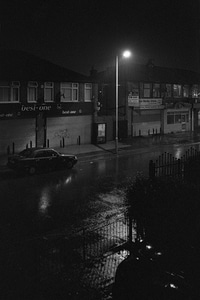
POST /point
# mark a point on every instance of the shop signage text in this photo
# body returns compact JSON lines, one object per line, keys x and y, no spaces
{"x":150,"y":103}
{"x":36,"y":107}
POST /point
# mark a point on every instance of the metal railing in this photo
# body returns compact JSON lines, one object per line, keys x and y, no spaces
{"x":168,"y":166}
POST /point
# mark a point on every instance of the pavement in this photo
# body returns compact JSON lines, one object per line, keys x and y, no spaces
{"x":86,"y":152}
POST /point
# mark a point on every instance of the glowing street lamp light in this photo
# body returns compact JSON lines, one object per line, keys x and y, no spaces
{"x":125,"y":54}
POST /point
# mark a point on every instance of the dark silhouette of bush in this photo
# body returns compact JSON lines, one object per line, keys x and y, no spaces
{"x":166,"y":209}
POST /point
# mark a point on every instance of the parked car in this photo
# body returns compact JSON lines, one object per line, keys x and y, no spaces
{"x":154,"y":273}
{"x":34,"y":160}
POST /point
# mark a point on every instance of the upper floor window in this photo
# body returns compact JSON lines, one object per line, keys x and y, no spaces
{"x":147,"y":90}
{"x":186,"y":91}
{"x":69,"y":91}
{"x":156,"y":90}
{"x":88,"y":91}
{"x":195,"y":91}
{"x":9,"y":92}
{"x":168,"y":93}
{"x":48,"y":91}
{"x":32,"y":91}
{"x":177,"y":90}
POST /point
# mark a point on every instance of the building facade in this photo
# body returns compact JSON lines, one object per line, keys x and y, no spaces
{"x":42,"y":104}
{"x":152,"y":100}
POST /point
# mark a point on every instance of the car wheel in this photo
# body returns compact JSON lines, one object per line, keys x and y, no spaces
{"x":69,"y":164}
{"x":32,"y":170}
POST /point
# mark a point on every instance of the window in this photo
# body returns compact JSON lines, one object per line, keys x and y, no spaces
{"x":177,"y":90}
{"x":48,"y":91}
{"x":195,"y":91}
{"x":15,"y":91}
{"x":168,"y":91}
{"x":32,"y":91}
{"x":147,"y":90}
{"x":9,"y":92}
{"x":88,"y":91}
{"x":69,"y":91}
{"x":186,"y":91}
{"x":170,"y":118}
{"x":156,"y":90}
{"x":4,"y":91}
{"x":177,"y":117}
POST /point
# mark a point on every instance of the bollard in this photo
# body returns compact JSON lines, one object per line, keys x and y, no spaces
{"x":13,"y":148}
{"x":30,"y":144}
{"x":8,"y":150}
{"x":63,"y":141}
{"x":48,"y":143}
{"x":79,"y":140}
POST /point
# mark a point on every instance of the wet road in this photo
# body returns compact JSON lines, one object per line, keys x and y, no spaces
{"x":85,"y":195}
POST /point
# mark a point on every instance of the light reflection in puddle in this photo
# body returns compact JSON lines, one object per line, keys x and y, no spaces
{"x":44,"y":200}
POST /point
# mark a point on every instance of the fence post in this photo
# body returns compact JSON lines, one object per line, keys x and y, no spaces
{"x":152,"y":169}
{"x":130,"y":231}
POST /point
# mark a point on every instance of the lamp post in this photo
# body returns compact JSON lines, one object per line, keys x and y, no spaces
{"x":125,"y":54}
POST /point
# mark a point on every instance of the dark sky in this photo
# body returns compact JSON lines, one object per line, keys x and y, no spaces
{"x":79,"y":34}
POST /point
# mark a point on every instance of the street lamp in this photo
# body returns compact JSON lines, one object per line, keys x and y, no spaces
{"x":125,"y":54}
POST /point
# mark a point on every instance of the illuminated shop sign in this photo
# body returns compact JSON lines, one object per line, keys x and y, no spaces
{"x":150,"y":103}
{"x":50,"y":110}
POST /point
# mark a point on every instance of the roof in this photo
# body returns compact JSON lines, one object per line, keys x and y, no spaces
{"x":19,"y":65}
{"x":150,"y":73}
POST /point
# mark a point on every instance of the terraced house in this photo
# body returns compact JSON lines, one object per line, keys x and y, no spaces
{"x":152,"y":100}
{"x":42,"y":103}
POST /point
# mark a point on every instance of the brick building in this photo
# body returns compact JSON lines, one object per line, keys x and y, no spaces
{"x":42,"y":103}
{"x":152,"y":100}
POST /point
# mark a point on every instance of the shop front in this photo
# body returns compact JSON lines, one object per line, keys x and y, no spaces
{"x":144,"y":116}
{"x":176,"y":120}
{"x":23,"y":125}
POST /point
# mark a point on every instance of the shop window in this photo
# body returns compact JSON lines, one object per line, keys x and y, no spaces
{"x":32,"y":91}
{"x":88,"y":91}
{"x":156,"y":90}
{"x":69,"y":91}
{"x":9,"y":92}
{"x":179,"y":117}
{"x":48,"y":91}
{"x":147,"y":90}
{"x":168,"y":91}
{"x":186,"y":91}
{"x":177,"y":91}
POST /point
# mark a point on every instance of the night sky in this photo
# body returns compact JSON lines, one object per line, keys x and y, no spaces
{"x":81,"y":34}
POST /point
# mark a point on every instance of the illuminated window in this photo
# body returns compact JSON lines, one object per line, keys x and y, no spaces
{"x":186,"y":91}
{"x":195,"y":91}
{"x":147,"y":90}
{"x":69,"y":91}
{"x":48,"y":91}
{"x":168,"y":91}
{"x":156,"y":90}
{"x":32,"y":91}
{"x":177,"y":90}
{"x":88,"y":91}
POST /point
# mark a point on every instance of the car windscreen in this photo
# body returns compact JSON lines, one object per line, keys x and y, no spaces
{"x":26,"y":153}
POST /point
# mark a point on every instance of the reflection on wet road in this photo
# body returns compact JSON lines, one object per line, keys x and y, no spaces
{"x":86,"y":194}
